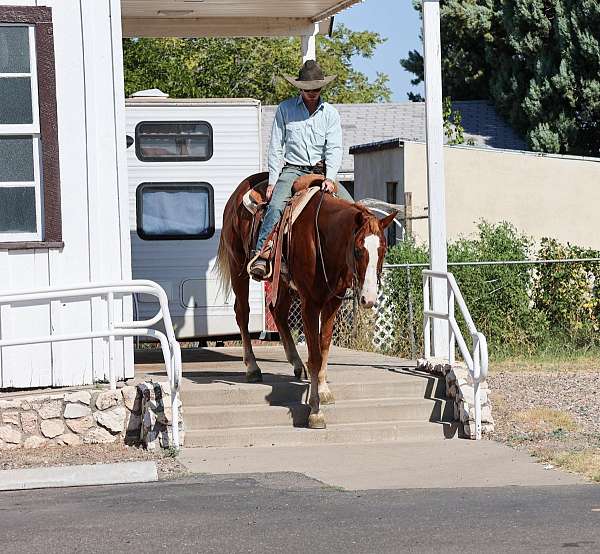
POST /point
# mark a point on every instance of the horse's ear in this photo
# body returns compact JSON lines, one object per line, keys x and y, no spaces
{"x":388,"y":219}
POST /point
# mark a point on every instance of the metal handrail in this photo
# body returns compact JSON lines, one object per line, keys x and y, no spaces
{"x":169,"y":345}
{"x":477,"y":358}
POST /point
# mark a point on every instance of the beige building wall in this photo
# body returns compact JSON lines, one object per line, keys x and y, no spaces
{"x":542,"y":195}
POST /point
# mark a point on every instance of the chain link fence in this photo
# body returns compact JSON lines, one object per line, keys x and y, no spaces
{"x":371,"y":330}
{"x":522,"y":306}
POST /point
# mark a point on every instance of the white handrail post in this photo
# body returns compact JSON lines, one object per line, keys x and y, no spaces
{"x":452,"y":342}
{"x":110,"y":297}
{"x":476,"y":382}
{"x":426,"y":318}
{"x":435,"y":168}
{"x":175,"y":402}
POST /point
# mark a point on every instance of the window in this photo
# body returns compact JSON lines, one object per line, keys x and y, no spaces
{"x":175,"y":211}
{"x":170,"y":141}
{"x":349,"y":186}
{"x":391,"y":198}
{"x":29,"y":174}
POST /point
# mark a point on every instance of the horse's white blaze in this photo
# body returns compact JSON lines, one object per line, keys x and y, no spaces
{"x":368,"y":295}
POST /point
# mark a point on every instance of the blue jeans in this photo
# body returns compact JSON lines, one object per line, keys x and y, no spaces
{"x":282,"y":192}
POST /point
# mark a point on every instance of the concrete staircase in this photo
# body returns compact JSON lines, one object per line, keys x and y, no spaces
{"x":378,"y":399}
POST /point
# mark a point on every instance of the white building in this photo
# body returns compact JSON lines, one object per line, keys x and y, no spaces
{"x":63,"y":177}
{"x":63,"y":186}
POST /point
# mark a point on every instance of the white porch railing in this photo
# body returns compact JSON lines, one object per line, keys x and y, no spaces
{"x":477,"y":358}
{"x":169,"y":345}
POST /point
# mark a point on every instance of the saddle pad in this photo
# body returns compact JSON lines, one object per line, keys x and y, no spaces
{"x":300,"y":203}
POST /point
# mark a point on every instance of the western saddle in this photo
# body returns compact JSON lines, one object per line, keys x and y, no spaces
{"x":255,"y":201}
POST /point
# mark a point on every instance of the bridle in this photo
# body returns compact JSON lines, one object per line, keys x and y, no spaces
{"x":356,"y":254}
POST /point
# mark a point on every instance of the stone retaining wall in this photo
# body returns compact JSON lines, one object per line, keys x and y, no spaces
{"x":87,"y":416}
{"x":459,"y":389}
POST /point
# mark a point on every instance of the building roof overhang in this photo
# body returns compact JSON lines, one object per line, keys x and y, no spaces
{"x":228,"y":18}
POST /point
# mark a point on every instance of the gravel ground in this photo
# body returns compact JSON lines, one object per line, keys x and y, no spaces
{"x":576,"y":393}
{"x":168,"y":466}
{"x":553,"y":415}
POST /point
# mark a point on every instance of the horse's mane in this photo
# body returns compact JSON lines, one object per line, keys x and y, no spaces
{"x":370,"y":221}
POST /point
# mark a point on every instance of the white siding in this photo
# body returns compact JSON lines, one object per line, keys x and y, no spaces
{"x":89,"y":101}
{"x":236,"y":147}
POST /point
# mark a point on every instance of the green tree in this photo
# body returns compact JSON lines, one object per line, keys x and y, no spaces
{"x":466,"y":30}
{"x":537,"y":60}
{"x":250,"y":67}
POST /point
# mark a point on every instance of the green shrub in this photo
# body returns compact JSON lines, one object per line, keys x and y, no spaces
{"x":569,"y":294}
{"x":520,"y":308}
{"x":499,"y":296}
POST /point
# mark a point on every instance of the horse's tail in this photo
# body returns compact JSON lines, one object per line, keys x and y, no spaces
{"x":222,"y":268}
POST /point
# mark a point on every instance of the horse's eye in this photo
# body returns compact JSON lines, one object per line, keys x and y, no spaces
{"x":358,"y":253}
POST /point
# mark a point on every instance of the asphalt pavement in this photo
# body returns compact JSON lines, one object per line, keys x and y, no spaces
{"x":289,"y":512}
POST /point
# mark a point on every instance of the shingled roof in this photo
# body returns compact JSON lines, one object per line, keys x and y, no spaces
{"x":367,"y":123}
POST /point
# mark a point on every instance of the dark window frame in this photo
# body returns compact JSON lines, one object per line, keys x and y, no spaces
{"x":174,"y":159}
{"x":139,"y":204}
{"x":391,"y":190}
{"x":41,"y":19}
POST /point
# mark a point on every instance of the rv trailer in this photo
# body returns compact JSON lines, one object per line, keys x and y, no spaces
{"x":184,"y":158}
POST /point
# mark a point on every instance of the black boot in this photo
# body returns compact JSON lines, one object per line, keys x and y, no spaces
{"x":258,"y":269}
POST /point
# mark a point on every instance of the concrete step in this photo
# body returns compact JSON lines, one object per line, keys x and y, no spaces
{"x":285,"y":392}
{"x":296,"y":414}
{"x":352,"y":433}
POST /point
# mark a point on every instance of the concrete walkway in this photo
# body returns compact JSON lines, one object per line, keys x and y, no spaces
{"x":407,"y":463}
{"x":436,"y":464}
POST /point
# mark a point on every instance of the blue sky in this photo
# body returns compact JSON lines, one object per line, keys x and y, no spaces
{"x":395,"y":20}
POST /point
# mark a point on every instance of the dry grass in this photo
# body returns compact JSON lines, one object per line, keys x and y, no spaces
{"x":554,"y":415}
{"x":545,"y":420}
{"x":585,"y":462}
{"x":541,"y":365}
{"x":355,"y":332}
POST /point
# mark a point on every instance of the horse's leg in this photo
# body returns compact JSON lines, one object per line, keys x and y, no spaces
{"x":310,"y":318}
{"x":240,"y":285}
{"x":327,"y":320}
{"x":280,"y":314}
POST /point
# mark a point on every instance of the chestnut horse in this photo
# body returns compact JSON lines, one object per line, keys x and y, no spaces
{"x":353,"y":246}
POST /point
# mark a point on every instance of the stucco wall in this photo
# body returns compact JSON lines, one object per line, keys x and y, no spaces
{"x":543,"y":196}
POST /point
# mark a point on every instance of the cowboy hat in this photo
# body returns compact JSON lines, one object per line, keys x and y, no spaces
{"x":310,"y":77}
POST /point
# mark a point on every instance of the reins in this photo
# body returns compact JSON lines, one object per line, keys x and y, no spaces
{"x":320,"y":253}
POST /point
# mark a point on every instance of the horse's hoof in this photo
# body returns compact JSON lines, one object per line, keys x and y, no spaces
{"x":254,"y":377}
{"x":326,"y":398}
{"x":316,"y":421}
{"x":300,"y":373}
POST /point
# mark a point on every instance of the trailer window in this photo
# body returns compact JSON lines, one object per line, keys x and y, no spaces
{"x":175,"y":211}
{"x":169,"y":141}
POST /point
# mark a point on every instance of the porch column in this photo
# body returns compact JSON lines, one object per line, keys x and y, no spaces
{"x":309,"y":51}
{"x":435,"y":170}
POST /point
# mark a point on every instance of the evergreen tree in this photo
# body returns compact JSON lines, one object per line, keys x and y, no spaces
{"x":537,"y":60}
{"x":250,"y":67}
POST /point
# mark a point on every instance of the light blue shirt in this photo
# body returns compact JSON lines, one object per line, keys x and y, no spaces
{"x":299,"y":138}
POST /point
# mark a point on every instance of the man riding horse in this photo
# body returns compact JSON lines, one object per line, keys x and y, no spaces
{"x":306,"y":138}
{"x":332,"y":245}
